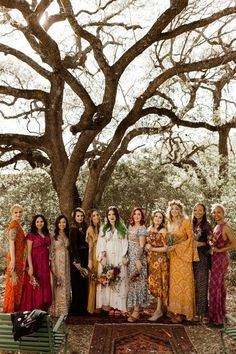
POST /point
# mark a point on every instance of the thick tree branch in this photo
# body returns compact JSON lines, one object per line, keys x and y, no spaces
{"x":197,"y":24}
{"x":95,"y":43}
{"x":151,"y":37}
{"x":24,"y":58}
{"x":27,"y":94}
{"x":34,"y":158}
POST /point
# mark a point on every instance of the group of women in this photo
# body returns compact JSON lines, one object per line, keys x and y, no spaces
{"x":110,"y":267}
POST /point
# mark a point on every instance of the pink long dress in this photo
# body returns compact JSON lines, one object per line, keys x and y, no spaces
{"x":217,"y":289}
{"x":40,"y":297}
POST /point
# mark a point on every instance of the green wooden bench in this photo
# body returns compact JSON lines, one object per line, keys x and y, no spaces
{"x":47,"y":339}
{"x":229,"y":330}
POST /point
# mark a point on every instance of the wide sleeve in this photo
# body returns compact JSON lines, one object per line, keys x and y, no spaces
{"x":101,"y":245}
{"x":74,"y":245}
{"x":12,"y":230}
{"x":184,"y":249}
{"x":89,"y":235}
{"x":30,"y":237}
{"x":142,"y":231}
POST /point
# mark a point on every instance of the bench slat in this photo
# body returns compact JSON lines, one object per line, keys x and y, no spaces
{"x":37,"y":342}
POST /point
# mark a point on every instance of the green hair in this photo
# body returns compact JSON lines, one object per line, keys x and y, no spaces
{"x":120,"y":227}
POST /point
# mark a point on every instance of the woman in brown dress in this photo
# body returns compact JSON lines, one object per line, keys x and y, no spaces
{"x":157,"y":262}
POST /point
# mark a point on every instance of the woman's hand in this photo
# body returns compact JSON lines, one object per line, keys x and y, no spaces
{"x":170,"y":248}
{"x":12,"y":265}
{"x":125,"y":260}
{"x":215,"y":250}
{"x":30,"y":271}
{"x":139,"y":265}
{"x":104,"y":262}
{"x":77,"y":265}
{"x":148,"y":247}
{"x":90,"y":264}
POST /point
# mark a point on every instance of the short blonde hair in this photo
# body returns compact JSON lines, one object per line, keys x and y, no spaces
{"x":16,"y":206}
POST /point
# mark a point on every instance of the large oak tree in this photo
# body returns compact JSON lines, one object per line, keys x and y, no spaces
{"x":88,"y":77}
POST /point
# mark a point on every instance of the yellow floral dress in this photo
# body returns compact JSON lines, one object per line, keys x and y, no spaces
{"x":158,"y":275}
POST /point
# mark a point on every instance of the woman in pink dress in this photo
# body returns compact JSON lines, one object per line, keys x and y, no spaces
{"x":223,"y":241}
{"x":37,"y":291}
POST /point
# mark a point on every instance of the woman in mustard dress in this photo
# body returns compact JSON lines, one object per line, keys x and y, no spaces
{"x":182,"y":289}
{"x":15,"y":262}
{"x":157,"y":262}
{"x":91,"y":238}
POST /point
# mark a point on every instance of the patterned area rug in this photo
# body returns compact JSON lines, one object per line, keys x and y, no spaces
{"x":140,"y":338}
{"x":104,"y":318}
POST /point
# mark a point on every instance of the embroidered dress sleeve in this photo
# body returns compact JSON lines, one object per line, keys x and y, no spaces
{"x":101,"y":246}
{"x":184,"y":249}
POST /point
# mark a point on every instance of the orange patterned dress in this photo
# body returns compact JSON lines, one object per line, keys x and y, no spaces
{"x":158,"y":276}
{"x":13,"y":292}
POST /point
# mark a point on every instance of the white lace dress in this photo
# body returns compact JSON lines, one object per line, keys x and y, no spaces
{"x":115,"y":247}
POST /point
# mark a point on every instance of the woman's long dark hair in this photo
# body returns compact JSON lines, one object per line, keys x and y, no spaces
{"x":204,"y":218}
{"x":56,"y":230}
{"x":33,"y":227}
{"x":154,"y":212}
{"x":75,"y":224}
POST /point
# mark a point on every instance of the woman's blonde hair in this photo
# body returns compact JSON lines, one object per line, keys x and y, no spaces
{"x":217,"y":205}
{"x":180,"y":205}
{"x":16,"y":206}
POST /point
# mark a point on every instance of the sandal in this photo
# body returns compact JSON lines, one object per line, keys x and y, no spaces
{"x":204,"y":320}
{"x":111,"y":313}
{"x":133,"y":318}
{"x":177,"y":319}
{"x":117,"y":313}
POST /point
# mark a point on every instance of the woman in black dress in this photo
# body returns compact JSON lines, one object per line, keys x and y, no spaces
{"x":201,"y":230}
{"x":79,"y":260}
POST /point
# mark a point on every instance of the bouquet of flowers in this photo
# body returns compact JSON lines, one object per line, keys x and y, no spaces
{"x":212,"y":239}
{"x":13,"y":278}
{"x":171,"y":239}
{"x":34,"y":282}
{"x":110,"y":276}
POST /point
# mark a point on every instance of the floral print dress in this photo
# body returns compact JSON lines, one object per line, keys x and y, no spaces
{"x":158,"y":275}
{"x":13,"y":292}
{"x":61,"y":270}
{"x":138,"y":292}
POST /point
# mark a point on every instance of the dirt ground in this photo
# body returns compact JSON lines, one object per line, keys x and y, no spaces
{"x":205,"y":340}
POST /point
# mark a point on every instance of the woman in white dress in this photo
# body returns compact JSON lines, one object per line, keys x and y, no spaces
{"x":112,"y":247}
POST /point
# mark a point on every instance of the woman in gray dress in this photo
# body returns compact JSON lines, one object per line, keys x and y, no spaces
{"x":137,"y":267}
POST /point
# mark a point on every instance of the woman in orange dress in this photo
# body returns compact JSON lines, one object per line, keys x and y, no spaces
{"x":181,"y":285}
{"x":15,"y":261}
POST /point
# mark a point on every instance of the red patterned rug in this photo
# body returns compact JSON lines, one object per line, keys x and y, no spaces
{"x":140,"y":338}
{"x":104,"y":318}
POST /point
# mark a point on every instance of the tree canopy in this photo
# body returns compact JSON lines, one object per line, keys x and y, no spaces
{"x":83,"y":79}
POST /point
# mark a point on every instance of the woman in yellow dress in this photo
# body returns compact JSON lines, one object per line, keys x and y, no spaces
{"x":181,"y":284}
{"x":157,"y":262}
{"x":91,"y":238}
